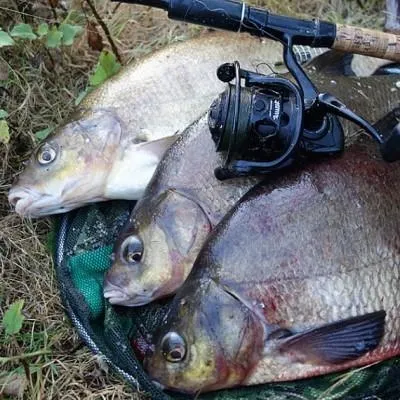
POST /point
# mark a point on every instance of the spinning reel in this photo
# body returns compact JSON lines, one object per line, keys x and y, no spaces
{"x":263,"y":126}
{"x":269,"y":122}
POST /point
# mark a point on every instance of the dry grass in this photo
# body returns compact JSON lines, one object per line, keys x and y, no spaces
{"x":39,"y":92}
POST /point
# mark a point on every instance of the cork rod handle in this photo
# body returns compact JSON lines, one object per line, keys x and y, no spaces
{"x":367,"y":42}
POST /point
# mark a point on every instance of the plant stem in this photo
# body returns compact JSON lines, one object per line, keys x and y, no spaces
{"x":4,"y":360}
{"x":105,"y":29}
{"x":53,"y":10}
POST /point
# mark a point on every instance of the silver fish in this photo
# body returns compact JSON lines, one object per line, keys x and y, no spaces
{"x":110,"y":147}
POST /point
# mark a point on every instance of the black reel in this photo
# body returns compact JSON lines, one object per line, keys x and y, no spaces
{"x":270,"y":122}
{"x":264,"y":120}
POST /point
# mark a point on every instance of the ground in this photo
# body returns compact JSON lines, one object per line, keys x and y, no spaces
{"x":38,"y":88}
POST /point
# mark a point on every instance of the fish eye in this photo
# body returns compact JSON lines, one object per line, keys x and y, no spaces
{"x":132,"y":250}
{"x":46,"y":154}
{"x":173,"y":347}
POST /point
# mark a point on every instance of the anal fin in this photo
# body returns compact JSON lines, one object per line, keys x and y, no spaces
{"x":337,"y":342}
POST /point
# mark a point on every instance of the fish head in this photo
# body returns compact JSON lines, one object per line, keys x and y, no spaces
{"x":207,"y":341}
{"x":157,"y":248}
{"x":69,"y":168}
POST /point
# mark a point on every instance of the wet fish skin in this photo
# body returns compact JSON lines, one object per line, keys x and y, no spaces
{"x":181,"y":205}
{"x":155,"y":98}
{"x":309,"y":249}
{"x":87,"y":153}
{"x":166,"y":221}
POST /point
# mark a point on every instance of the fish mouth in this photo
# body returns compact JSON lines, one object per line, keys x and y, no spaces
{"x":29,"y":203}
{"x":158,"y":384}
{"x":118,"y":296}
{"x":21,"y":200}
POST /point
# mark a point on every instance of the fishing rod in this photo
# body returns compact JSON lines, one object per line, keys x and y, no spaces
{"x":264,"y":123}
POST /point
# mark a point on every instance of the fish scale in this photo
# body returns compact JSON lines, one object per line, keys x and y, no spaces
{"x":348,"y":289}
{"x":194,"y":151}
{"x":301,"y":224}
{"x":310,"y":248}
{"x":329,"y":291}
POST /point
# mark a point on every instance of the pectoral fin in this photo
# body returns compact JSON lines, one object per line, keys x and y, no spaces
{"x":337,"y":342}
{"x":158,"y":147}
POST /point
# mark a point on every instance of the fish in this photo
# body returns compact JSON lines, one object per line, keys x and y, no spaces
{"x":184,"y":201}
{"x":301,"y":278}
{"x":111,"y":144}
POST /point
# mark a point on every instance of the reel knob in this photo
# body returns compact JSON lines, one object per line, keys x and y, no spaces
{"x":226,"y":72}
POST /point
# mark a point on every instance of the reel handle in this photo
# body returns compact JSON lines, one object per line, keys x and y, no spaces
{"x":367,"y":42}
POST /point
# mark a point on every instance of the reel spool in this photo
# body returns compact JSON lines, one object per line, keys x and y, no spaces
{"x":262,"y":126}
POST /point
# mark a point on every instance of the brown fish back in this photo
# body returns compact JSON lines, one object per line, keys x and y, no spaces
{"x":188,"y":167}
{"x":314,"y":247}
{"x":370,"y":97}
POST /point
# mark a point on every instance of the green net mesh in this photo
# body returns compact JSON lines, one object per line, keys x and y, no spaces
{"x":84,"y":244}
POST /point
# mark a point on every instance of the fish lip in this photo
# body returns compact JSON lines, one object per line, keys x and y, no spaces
{"x":22,"y":198}
{"x":30,"y":203}
{"x":158,"y":384}
{"x":117,"y":295}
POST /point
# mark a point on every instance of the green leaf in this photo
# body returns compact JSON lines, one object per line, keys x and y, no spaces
{"x":54,"y":37}
{"x":42,"y":29}
{"x":109,"y":62}
{"x":23,"y":31}
{"x":105,"y":68}
{"x":41,"y":135}
{"x":83,"y":94}
{"x":5,"y":39}
{"x":99,"y":76}
{"x":69,"y":33}
{"x":3,"y":114}
{"x":13,"y":318}
{"x":4,"y":132}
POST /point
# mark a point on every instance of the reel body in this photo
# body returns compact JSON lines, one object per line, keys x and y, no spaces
{"x":262,"y":126}
{"x":269,"y":122}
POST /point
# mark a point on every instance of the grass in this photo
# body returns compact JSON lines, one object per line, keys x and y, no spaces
{"x":38,"y":87}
